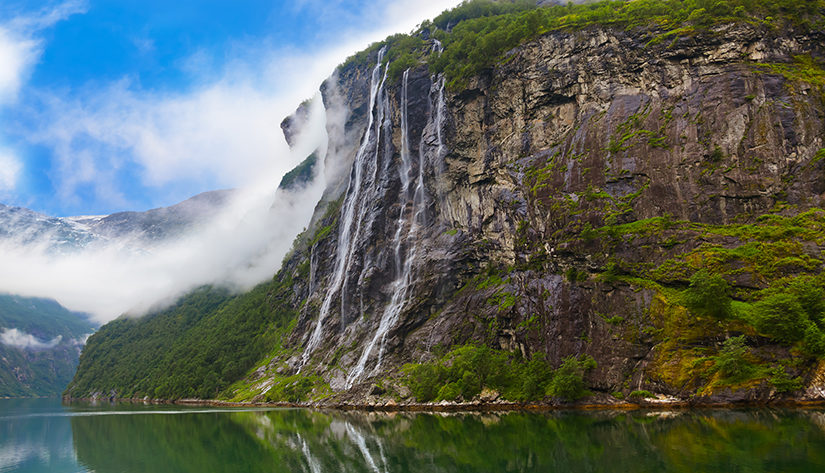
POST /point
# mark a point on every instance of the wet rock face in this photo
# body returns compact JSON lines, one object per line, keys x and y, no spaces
{"x":576,"y":129}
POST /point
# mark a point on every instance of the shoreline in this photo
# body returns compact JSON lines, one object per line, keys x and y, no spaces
{"x":677,"y":404}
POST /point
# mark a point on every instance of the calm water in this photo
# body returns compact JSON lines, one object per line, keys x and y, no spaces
{"x":44,"y":436}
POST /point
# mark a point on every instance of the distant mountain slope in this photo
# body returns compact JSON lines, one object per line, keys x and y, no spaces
{"x":156,"y":224}
{"x":40,"y":342}
{"x":23,"y":227}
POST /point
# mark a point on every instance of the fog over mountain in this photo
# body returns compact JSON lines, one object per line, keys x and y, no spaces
{"x":131,"y":262}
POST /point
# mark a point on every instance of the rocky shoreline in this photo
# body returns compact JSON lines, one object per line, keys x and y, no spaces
{"x":598,"y":402}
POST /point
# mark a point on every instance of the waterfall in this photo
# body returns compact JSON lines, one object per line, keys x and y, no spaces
{"x":352,"y":210}
{"x":441,"y":149}
{"x":406,"y":220}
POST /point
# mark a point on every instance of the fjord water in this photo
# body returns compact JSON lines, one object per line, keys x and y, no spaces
{"x":45,"y":436}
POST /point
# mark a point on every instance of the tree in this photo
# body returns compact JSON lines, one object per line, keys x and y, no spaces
{"x":708,"y":295}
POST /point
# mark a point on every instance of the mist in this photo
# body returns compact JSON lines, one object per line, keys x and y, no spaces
{"x":243,"y":244}
{"x":19,"y":339}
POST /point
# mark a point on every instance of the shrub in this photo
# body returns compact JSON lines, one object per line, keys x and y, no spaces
{"x":731,"y":362}
{"x":466,"y":370}
{"x":813,"y":343}
{"x":424,"y":380}
{"x":640,"y":394}
{"x":708,"y":295}
{"x":294,"y":388}
{"x":782,"y":381}
{"x":811,"y":297}
{"x":568,"y":380}
{"x":535,"y":377}
{"x":782,"y":317}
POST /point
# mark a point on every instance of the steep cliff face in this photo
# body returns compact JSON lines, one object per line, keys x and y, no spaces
{"x":497,"y":214}
{"x":578,"y":198}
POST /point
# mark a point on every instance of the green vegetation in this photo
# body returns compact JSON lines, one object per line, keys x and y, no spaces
{"x":43,"y":372}
{"x":296,"y":388}
{"x":708,"y":295}
{"x":783,"y":298}
{"x":804,"y":68}
{"x":463,"y":372}
{"x":730,"y":362}
{"x":301,"y":175}
{"x":478,"y":34}
{"x":194,"y":349}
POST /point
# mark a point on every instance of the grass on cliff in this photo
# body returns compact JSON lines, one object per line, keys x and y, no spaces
{"x":478,"y":34}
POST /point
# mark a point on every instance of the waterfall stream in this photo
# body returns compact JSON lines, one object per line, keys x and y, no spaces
{"x":352,"y":209}
{"x":410,"y":220}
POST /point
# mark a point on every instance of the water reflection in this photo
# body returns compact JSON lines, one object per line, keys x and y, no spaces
{"x":32,"y":440}
{"x":161,"y":439}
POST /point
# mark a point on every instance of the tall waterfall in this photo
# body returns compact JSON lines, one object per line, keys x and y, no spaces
{"x":411,"y":217}
{"x":353,"y":207}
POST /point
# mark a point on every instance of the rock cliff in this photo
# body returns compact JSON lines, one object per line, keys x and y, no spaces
{"x":566,"y":202}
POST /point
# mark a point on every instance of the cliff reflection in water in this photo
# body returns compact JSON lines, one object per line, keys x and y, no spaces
{"x":311,"y":441}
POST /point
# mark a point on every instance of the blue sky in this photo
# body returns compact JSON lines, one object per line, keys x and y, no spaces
{"x":130,"y":105}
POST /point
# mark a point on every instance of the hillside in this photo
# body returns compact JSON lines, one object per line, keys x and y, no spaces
{"x":40,"y":342}
{"x":616,"y":199}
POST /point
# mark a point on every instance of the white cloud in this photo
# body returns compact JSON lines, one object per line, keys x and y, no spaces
{"x":10,"y":168}
{"x":20,"y":48}
{"x":19,"y":339}
{"x":17,"y":54}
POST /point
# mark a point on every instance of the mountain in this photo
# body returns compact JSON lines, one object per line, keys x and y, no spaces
{"x":616,"y":200}
{"x":24,"y":227}
{"x":156,"y":224}
{"x":40,"y":343}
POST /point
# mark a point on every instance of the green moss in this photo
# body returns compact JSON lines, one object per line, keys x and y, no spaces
{"x":804,"y":68}
{"x":819,"y":156}
{"x":297,"y":388}
{"x":640,"y":394}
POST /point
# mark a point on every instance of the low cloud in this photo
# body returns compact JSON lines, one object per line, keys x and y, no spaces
{"x":25,"y":341}
{"x":240,"y":246}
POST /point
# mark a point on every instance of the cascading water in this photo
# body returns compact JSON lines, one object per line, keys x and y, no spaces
{"x":352,"y":209}
{"x":441,"y":148}
{"x":411,"y":221}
